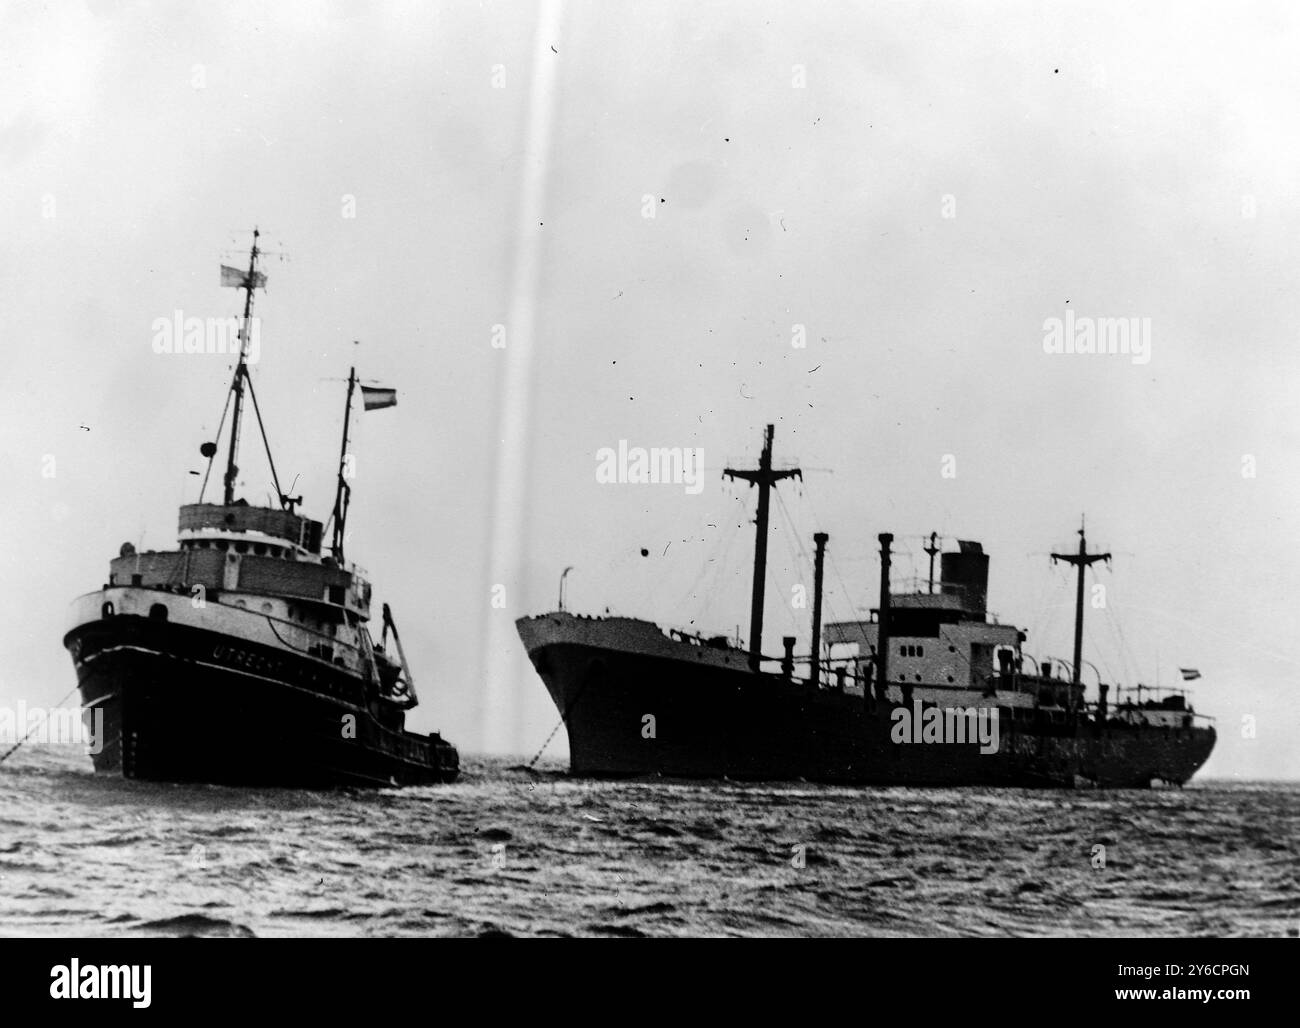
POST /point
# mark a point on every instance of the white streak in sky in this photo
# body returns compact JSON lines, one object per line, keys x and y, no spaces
{"x":506,"y":667}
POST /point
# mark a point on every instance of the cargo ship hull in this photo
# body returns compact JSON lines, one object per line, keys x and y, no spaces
{"x":182,"y":703}
{"x":928,"y":689}
{"x":631,"y":713}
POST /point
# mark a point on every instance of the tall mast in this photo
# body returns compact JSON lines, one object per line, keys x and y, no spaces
{"x":344,"y":492}
{"x":1081,"y":560}
{"x":763,"y":477}
{"x":241,"y":371}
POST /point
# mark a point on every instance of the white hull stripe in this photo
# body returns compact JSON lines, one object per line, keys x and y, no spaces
{"x":217,"y":667}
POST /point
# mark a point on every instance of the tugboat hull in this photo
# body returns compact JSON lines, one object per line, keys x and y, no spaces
{"x":185,"y":704}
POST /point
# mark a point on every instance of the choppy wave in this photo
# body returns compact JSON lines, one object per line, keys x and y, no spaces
{"x":508,"y":851}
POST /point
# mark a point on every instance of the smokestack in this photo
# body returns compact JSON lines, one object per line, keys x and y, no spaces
{"x":882,"y":633}
{"x":815,"y":667}
{"x":1104,"y":690}
{"x":966,"y":574}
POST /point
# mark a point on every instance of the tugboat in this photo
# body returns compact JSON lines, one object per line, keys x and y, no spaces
{"x":929,"y":690}
{"x":243,"y":656}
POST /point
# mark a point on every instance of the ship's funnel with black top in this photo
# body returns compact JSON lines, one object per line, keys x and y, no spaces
{"x":966,"y":574}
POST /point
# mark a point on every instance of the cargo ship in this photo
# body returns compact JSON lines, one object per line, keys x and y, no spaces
{"x":243,"y":656}
{"x":929,"y":690}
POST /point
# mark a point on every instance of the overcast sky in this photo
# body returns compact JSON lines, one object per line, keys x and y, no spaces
{"x":917,"y":188}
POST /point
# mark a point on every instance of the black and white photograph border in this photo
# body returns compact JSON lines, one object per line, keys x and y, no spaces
{"x":673,"y":470}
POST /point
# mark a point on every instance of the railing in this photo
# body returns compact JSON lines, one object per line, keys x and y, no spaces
{"x":324,"y":639}
{"x":265,"y":576}
{"x":266,"y":520}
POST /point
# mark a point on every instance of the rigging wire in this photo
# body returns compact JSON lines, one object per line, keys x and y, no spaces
{"x":1127,"y":658}
{"x":827,"y":601}
{"x":713,"y":573}
{"x":265,"y":442}
{"x":14,"y":748}
{"x":220,"y":425}
{"x":835,"y":568}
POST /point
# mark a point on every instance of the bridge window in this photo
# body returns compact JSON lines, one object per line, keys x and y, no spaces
{"x":259,"y":549}
{"x":241,"y":547}
{"x":158,"y":612}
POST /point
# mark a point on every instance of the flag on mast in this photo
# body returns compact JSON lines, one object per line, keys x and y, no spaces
{"x":239,"y":279}
{"x":374,"y":398}
{"x":1189,"y":673}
